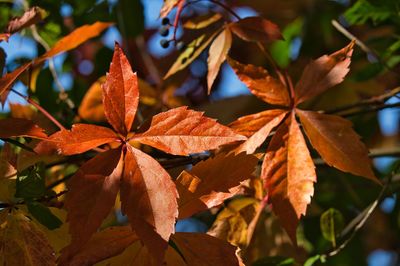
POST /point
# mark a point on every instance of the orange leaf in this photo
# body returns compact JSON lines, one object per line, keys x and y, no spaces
{"x":92,"y":193}
{"x":7,"y":81}
{"x":323,"y":73}
{"x":219,"y":49}
{"x":19,"y":127}
{"x":289,"y":174}
{"x":148,"y":197}
{"x":74,"y":39}
{"x":337,"y":143}
{"x":261,"y":83}
{"x":181,"y":131}
{"x":211,"y":182}
{"x":4,"y":36}
{"x":105,"y":244}
{"x":272,"y":118}
{"x":202,"y":249}
{"x":120,"y":93}
{"x":91,"y":108}
{"x":31,"y":16}
{"x":81,"y":138}
{"x":168,"y":6}
{"x":256,"y":29}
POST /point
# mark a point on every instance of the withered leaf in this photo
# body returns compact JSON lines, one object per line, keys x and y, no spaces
{"x":256,"y":29}
{"x":32,"y":16}
{"x":211,"y":182}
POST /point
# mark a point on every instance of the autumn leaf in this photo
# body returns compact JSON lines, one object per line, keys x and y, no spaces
{"x":218,"y":52}
{"x":256,"y":29}
{"x":19,"y":127}
{"x":4,"y":36}
{"x":8,"y":80}
{"x":323,"y":73}
{"x":202,"y":22}
{"x":120,"y":114}
{"x":104,"y":244}
{"x":261,"y":83}
{"x":22,"y":243}
{"x":168,"y":6}
{"x":337,"y":143}
{"x":91,"y":108}
{"x":204,"y":250}
{"x":148,"y":197}
{"x":289,"y":175}
{"x":94,"y":188}
{"x":211,"y":182}
{"x":32,"y":16}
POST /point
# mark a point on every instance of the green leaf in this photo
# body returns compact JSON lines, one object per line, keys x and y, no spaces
{"x":43,"y":215}
{"x":332,"y":223}
{"x":363,"y":10}
{"x":312,"y":260}
{"x":30,"y":184}
{"x":130,"y":17}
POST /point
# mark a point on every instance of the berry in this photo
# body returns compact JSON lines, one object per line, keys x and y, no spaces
{"x":180,"y":46}
{"x":165,"y":21}
{"x":164,"y":43}
{"x":164,"y":31}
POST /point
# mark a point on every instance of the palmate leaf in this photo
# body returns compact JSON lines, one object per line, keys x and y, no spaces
{"x":19,"y":127}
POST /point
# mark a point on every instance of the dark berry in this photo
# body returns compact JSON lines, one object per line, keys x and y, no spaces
{"x":164,"y":31}
{"x":165,"y":21}
{"x":164,"y":43}
{"x":180,"y":46}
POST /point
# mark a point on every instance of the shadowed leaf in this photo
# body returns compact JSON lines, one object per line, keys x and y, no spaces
{"x":256,"y":29}
{"x":19,"y":127}
{"x":30,"y":17}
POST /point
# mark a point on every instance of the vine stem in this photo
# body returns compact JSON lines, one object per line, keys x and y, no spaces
{"x":41,"y":109}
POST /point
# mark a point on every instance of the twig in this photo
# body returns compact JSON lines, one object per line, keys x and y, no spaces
{"x":41,"y":109}
{"x":18,"y":144}
{"x":42,"y":199}
{"x":372,"y":109}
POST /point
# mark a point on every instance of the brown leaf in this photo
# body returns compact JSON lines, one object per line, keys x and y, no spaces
{"x":92,"y":193}
{"x":337,"y":143}
{"x":323,"y":73}
{"x":148,"y":197}
{"x":256,"y":29}
{"x":218,"y":52}
{"x":103,"y":245}
{"x":22,"y":243}
{"x":193,"y":50}
{"x":201,"y":22}
{"x":181,"y":131}
{"x":205,"y":250}
{"x":289,"y":174}
{"x":120,"y":93}
{"x":211,"y":182}
{"x":4,"y":37}
{"x":261,"y":83}
{"x":74,"y":39}
{"x":255,"y":141}
{"x":19,"y":127}
{"x":168,"y":6}
{"x":81,"y":138}
{"x":32,"y":16}
{"x":8,"y":80}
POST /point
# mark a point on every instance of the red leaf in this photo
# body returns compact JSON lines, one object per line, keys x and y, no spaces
{"x":92,"y":193}
{"x":181,"y":131}
{"x":81,"y":138}
{"x":219,"y":49}
{"x":256,"y":29}
{"x":74,"y":39}
{"x":211,"y":182}
{"x":105,"y":244}
{"x":289,"y":174}
{"x":272,"y":118}
{"x":19,"y":127}
{"x":323,"y":73}
{"x":261,"y":83}
{"x":120,"y":93}
{"x":8,"y":80}
{"x":337,"y":143}
{"x":202,"y":249}
{"x":148,"y":197}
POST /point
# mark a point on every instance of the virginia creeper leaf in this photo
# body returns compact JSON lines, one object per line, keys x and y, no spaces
{"x":92,"y":193}
{"x":120,"y":93}
{"x":30,"y":17}
{"x":202,"y":22}
{"x":148,"y":197}
{"x":19,"y":127}
{"x":323,"y":73}
{"x":211,"y":182}
{"x":289,"y":174}
{"x":8,"y":80}
{"x":337,"y":143}
{"x":168,"y":6}
{"x":256,"y":29}
{"x":181,"y":131}
{"x":261,"y":83}
{"x":218,"y":52}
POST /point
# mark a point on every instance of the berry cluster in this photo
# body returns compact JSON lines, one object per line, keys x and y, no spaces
{"x":164,"y":31}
